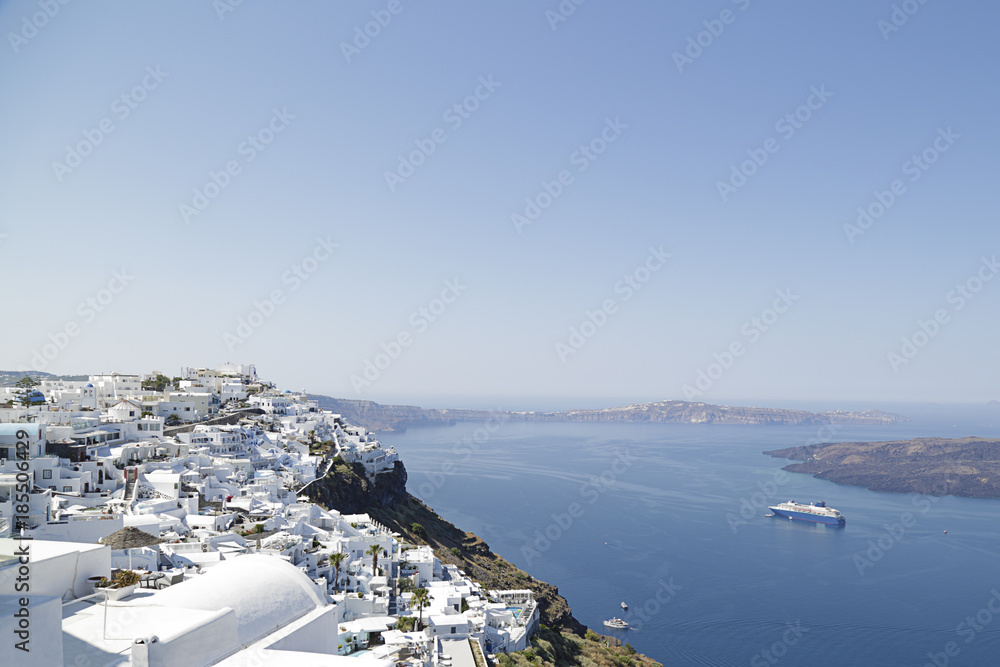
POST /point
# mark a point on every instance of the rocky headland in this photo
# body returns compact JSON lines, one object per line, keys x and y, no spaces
{"x":935,"y":466}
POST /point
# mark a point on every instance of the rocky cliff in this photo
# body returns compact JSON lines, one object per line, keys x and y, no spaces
{"x":934,"y":466}
{"x":346,"y":489}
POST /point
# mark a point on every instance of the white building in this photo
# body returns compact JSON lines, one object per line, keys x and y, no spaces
{"x":114,"y":387}
{"x":69,"y":394}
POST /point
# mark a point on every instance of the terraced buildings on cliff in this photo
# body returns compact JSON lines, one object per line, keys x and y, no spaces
{"x":151,"y":539}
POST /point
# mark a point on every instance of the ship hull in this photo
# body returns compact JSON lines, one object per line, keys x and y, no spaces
{"x":804,"y":516}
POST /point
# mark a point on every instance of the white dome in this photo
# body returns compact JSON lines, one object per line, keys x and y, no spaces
{"x":266,"y":592}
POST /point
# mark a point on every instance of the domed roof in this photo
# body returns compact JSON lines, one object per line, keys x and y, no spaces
{"x":266,"y":592}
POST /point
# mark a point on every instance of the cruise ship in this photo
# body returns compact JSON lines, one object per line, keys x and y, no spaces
{"x":817,"y":512}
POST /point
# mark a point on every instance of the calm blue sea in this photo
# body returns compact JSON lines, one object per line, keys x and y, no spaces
{"x":651,"y":515}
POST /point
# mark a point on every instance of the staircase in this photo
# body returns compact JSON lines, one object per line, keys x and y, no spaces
{"x":392,"y":597}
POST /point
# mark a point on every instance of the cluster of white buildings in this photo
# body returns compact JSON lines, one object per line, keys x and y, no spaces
{"x":237,"y":566}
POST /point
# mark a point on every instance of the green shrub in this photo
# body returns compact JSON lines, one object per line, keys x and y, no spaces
{"x":121,"y":579}
{"x":418,"y":530}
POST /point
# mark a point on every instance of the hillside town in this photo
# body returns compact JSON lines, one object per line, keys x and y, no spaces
{"x":149,"y":520}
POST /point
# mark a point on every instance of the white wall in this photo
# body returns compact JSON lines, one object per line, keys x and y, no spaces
{"x":87,"y":528}
{"x":200,"y":644}
{"x":60,"y":569}
{"x":319,"y":635}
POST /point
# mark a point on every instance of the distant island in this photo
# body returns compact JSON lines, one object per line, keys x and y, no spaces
{"x":10,"y":378}
{"x":934,"y":466}
{"x":378,"y":417}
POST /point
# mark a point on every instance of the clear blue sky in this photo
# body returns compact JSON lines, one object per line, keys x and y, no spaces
{"x":198,"y":82}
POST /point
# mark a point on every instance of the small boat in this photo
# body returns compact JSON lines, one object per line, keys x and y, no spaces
{"x":616,"y":623}
{"x":625,"y":606}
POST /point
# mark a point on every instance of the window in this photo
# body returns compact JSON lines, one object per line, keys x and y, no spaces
{"x":67,"y":488}
{"x":46,"y":474}
{"x":453,"y":629}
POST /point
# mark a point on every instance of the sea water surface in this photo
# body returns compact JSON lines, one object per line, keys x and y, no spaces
{"x":650,"y":514}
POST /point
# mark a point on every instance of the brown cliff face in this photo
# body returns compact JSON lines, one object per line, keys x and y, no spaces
{"x":347,"y":490}
{"x":933,"y":466}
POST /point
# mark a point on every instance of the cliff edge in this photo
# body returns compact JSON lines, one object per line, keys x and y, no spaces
{"x":563,"y":640}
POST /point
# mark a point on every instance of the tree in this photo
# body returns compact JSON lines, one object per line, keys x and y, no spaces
{"x":421,"y":598}
{"x":335,"y":560}
{"x":157,"y":383}
{"x":24,"y":388}
{"x":373,"y":552}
